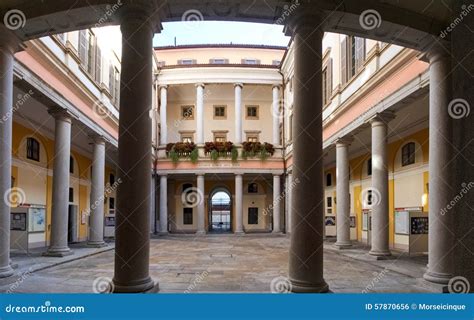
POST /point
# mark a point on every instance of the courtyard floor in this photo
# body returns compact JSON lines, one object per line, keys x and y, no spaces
{"x":219,"y":263}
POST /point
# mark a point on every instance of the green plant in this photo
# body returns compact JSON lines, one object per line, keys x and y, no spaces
{"x":194,"y":155}
{"x":174,"y":156}
{"x":263,"y":154}
{"x":234,"y":154}
{"x":214,"y":155}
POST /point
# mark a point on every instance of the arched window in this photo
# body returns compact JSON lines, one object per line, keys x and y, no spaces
{"x":328,"y":180}
{"x":408,"y":154}
{"x":252,"y":188}
{"x":32,"y":149}
{"x":111,"y":179}
{"x":369,"y":167}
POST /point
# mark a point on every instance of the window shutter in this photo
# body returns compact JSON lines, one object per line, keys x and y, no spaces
{"x":83,"y":46}
{"x":98,"y":65}
{"x":111,"y":79}
{"x":360,"y":52}
{"x":117,"y":88}
{"x":344,"y":60}
{"x":329,"y":78}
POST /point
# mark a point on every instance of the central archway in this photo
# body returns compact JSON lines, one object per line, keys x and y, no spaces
{"x":220,"y":211}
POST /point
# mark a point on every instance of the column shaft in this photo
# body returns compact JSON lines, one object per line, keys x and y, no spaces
{"x":163,"y":205}
{"x":276,"y":204}
{"x":200,"y":113}
{"x":238,"y":113}
{"x":132,"y":251}
{"x":441,"y":223}
{"x":238,"y":204}
{"x":96,"y":231}
{"x":60,"y":206}
{"x":289,"y":211}
{"x":276,"y":115}
{"x":379,"y":206}
{"x":200,"y":206}
{"x":306,"y":253}
{"x":163,"y":111}
{"x":343,"y":197}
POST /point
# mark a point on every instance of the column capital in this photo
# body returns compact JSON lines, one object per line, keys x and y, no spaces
{"x":276,"y":86}
{"x":200,"y":84}
{"x":61,"y":114}
{"x":306,"y":20}
{"x":239,"y":174}
{"x":382,"y":118}
{"x":138,"y":15}
{"x":344,"y":141}
{"x":437,"y":52}
{"x":241,"y":85}
{"x":163,"y":86}
{"x":200,"y":174}
{"x":163,"y":175}
{"x":9,"y":40}
{"x":97,"y":138}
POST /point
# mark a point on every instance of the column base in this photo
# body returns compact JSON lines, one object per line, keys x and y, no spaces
{"x":96,"y":244}
{"x":381,"y":255}
{"x":303,"y":287}
{"x":277,"y":232}
{"x":239,"y":233}
{"x":6,"y":272}
{"x":200,"y":233}
{"x":164,"y":233}
{"x":343,"y":245}
{"x":436,"y":277}
{"x":142,"y":286}
{"x":59,"y":253}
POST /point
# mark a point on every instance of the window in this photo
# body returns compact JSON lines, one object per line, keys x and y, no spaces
{"x":220,"y":137}
{"x":276,"y":62}
{"x":218,"y":61}
{"x":253,"y":215}
{"x":369,"y":167}
{"x":111,"y":179}
{"x":187,"y":138}
{"x":114,"y":83}
{"x":187,"y":187}
{"x":88,"y":53}
{"x":352,"y":57}
{"x":187,"y":61}
{"x":220,"y":112}
{"x":329,"y":202}
{"x":252,"y":137}
{"x":187,"y":112}
{"x":327,"y":81}
{"x":369,"y":197}
{"x":71,"y":165}
{"x":328,"y":180}
{"x":408,"y":154}
{"x":252,"y":188}
{"x":252,"y":112}
{"x":290,"y":128}
{"x":187,"y":215}
{"x":71,"y":195}
{"x":111,"y":203}
{"x":32,"y":149}
{"x":250,"y":61}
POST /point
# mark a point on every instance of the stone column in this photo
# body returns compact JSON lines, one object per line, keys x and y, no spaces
{"x":379,"y":207}
{"x":276,"y":115}
{"x":441,"y":223}
{"x":342,"y":191}
{"x":132,"y":236}
{"x":289,"y":211}
{"x":306,"y":252}
{"x":9,"y":44}
{"x":163,"y":109}
{"x":238,"y":113}
{"x":276,"y":203}
{"x":238,"y":204}
{"x":153,"y":204}
{"x":96,"y":228}
{"x":58,"y":246}
{"x":200,"y":206}
{"x":163,"y":205}
{"x":200,"y":113}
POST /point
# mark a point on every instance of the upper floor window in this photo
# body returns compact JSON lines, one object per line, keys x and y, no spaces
{"x":352,"y":57}
{"x":111,"y":179}
{"x":290,"y":128}
{"x":71,"y":164}
{"x":250,"y":61}
{"x":408,"y":154}
{"x":369,"y":167}
{"x":252,"y":112}
{"x":327,"y":81}
{"x":252,"y":137}
{"x":252,"y":188}
{"x":90,"y":54}
{"x":220,"y":112}
{"x":187,"y":112}
{"x":32,"y":149}
{"x":187,"y":137}
{"x":218,"y":61}
{"x":114,"y":83}
{"x":328,"y":180}
{"x":187,"y":61}
{"x":220,"y":136}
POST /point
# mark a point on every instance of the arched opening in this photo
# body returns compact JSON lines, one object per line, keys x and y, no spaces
{"x":220,"y":217}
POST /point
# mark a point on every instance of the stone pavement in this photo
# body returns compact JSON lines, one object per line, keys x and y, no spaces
{"x":221,"y":263}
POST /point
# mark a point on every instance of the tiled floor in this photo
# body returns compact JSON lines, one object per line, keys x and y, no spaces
{"x":228,"y":263}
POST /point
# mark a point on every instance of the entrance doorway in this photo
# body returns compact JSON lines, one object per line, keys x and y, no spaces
{"x":220,"y":212}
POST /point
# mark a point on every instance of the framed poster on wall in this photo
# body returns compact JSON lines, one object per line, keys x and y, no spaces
{"x":330,"y":221}
{"x":37,"y":220}
{"x":365,"y":221}
{"x":419,"y":225}
{"x":402,"y":222}
{"x":352,"y":221}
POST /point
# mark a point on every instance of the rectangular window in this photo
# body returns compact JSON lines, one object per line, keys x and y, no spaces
{"x":327,"y":81}
{"x":290,"y":128}
{"x":250,"y":61}
{"x":253,"y":215}
{"x":71,"y":195}
{"x":352,"y":57}
{"x":187,"y":112}
{"x":187,"y":215}
{"x":252,"y":137}
{"x":252,"y":112}
{"x":329,"y":202}
{"x":98,"y":65}
{"x":32,"y":149}
{"x":187,"y":138}
{"x":71,"y":165}
{"x":186,"y":61}
{"x":218,"y":61}
{"x":220,"y":137}
{"x":111,"y":203}
{"x":220,"y":112}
